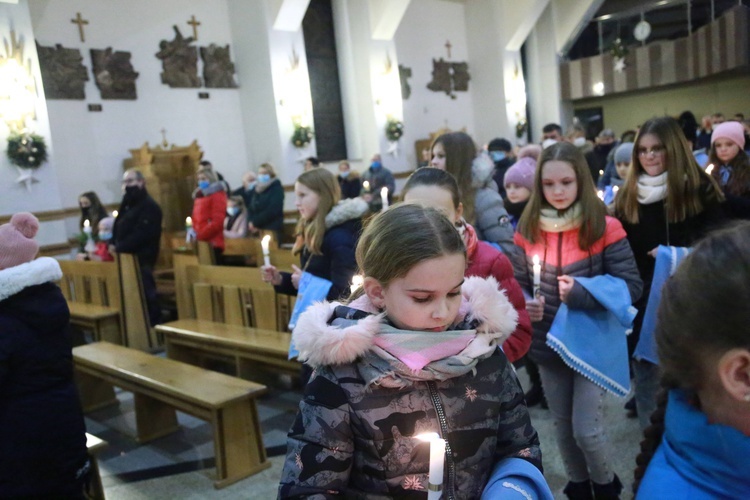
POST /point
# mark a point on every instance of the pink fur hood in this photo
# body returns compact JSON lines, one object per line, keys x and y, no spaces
{"x":321,"y":344}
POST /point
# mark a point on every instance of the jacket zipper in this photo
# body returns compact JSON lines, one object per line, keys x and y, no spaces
{"x":559,"y":255}
{"x":438,"y":404}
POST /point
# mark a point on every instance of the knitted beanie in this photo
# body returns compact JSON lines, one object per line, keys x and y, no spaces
{"x":530,"y":150}
{"x":624,"y":153}
{"x":730,"y":130}
{"x":521,"y":173}
{"x":17,"y":245}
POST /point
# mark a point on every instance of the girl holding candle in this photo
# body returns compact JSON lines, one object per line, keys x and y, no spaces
{"x":415,"y":351}
{"x":667,"y":199}
{"x":565,"y":224}
{"x":91,"y":210}
{"x":327,"y":234}
{"x":437,"y":188}
{"x":209,"y":208}
{"x":483,"y":206}
{"x":235,"y":222}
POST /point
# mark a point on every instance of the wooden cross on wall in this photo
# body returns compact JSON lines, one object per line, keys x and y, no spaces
{"x":80,"y":22}
{"x":194,"y":23}
{"x":448,"y":46}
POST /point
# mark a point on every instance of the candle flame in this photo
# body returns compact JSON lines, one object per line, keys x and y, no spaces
{"x":357,"y":280}
{"x":600,"y":194}
{"x":188,"y":221}
{"x":709,"y":168}
{"x":115,"y":213}
{"x":266,"y":240}
{"x":86,"y":223}
{"x":366,"y":185}
{"x":428,"y":436}
{"x":535,"y":260}
{"x":384,"y":191}
{"x":615,"y":189}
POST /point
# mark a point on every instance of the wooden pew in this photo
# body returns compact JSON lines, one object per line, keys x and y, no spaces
{"x":249,"y":349}
{"x":108,"y":299}
{"x":161,"y":385}
{"x":92,"y":290}
{"x":94,"y":490}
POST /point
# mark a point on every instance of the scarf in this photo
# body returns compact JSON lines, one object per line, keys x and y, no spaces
{"x":652,"y":189}
{"x":469,"y":234}
{"x":515,"y":210}
{"x":552,"y":220}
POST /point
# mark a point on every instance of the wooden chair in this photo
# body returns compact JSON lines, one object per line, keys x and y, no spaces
{"x":160,"y":386}
{"x":249,"y":248}
{"x":206,"y":255}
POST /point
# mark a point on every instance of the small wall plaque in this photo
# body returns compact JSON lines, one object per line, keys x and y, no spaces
{"x":202,"y":95}
{"x":95,"y":107}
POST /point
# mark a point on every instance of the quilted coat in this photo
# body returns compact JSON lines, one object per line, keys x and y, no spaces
{"x":209,"y":209}
{"x":559,"y":255}
{"x":356,"y":435}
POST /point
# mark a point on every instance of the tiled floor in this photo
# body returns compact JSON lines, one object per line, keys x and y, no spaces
{"x":181,"y":465}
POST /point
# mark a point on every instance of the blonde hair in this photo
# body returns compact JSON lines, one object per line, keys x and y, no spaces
{"x":684,"y":175}
{"x":208,"y":173}
{"x":593,"y":211}
{"x":324,"y":184}
{"x":269,"y":168}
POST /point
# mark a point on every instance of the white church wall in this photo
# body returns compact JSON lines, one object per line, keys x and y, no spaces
{"x":426,"y":27}
{"x":92,"y":145}
{"x":44,"y":195}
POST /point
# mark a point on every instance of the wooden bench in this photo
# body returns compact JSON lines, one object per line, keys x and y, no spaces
{"x":249,"y":349}
{"x":108,"y":299}
{"x":161,"y":385}
{"x":92,"y":290}
{"x":94,"y":490}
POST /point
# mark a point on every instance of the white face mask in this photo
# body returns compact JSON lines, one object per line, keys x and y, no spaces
{"x":579,"y":141}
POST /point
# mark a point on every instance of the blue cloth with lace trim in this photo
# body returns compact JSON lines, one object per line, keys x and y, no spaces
{"x":593,"y":341}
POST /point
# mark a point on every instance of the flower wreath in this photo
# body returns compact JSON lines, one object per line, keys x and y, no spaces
{"x":394,"y":129}
{"x":26,"y":150}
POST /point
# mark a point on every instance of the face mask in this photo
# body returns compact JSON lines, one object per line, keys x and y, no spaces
{"x":85,"y":209}
{"x":203,"y":184}
{"x":548,"y":142}
{"x":497,"y":155}
{"x":132,"y":190}
{"x":233,"y":211}
{"x":375,"y":165}
{"x":263,"y":178}
{"x":344,"y":174}
{"x":104,"y":236}
{"x":579,"y":141}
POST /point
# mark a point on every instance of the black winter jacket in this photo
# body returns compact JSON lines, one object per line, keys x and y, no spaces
{"x":42,"y":432}
{"x":138,"y":227}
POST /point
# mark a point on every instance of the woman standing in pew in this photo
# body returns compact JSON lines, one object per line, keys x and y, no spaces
{"x":327,"y":235}
{"x":209,"y":208}
{"x":42,"y":432}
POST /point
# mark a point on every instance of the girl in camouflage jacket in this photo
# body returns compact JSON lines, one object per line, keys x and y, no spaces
{"x":415,"y":351}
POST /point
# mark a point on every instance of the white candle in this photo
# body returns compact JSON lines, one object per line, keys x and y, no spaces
{"x":114,"y":213}
{"x":709,"y":168}
{"x":366,"y":186}
{"x":357,"y":281}
{"x":264,"y":244}
{"x":188,"y":222}
{"x":437,"y":465}
{"x":87,"y":226}
{"x":384,"y":197}
{"x":600,"y":194}
{"x":537,"y":276}
{"x":615,"y":189}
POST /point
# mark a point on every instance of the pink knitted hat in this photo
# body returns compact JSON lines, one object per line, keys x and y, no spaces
{"x":530,"y":150}
{"x":17,"y":245}
{"x":522,"y":173}
{"x":730,"y":130}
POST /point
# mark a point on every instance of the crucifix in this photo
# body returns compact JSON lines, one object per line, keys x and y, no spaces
{"x":164,"y":141}
{"x":194,"y":23}
{"x":80,"y":22}
{"x":448,"y":46}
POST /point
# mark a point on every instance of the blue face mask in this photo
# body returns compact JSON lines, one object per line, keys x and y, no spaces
{"x":344,"y":174}
{"x":497,"y":155}
{"x":264,"y":178}
{"x":105,"y":235}
{"x":233,"y":210}
{"x":203,"y":184}
{"x":376,"y":165}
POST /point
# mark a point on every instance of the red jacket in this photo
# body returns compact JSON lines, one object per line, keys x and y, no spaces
{"x":208,"y":217}
{"x":485,"y":261}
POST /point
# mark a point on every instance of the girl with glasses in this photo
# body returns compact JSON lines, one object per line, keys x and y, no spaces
{"x":667,"y":199}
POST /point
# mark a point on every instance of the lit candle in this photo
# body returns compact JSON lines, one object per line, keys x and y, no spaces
{"x":615,"y":189}
{"x":537,"y":276}
{"x":437,"y":464}
{"x":384,"y":197}
{"x":709,"y":168}
{"x":87,"y":226}
{"x":601,"y":172}
{"x":264,"y":244}
{"x":115,"y":213}
{"x":600,"y":194}
{"x":366,"y":186}
{"x":357,"y":281}
{"x":188,"y":222}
